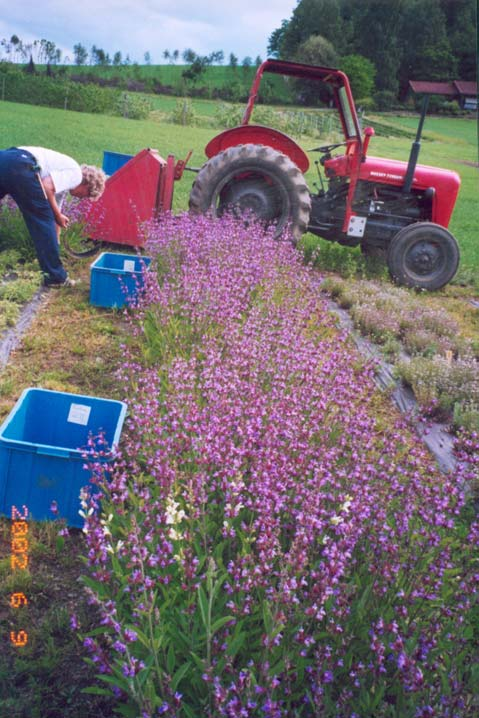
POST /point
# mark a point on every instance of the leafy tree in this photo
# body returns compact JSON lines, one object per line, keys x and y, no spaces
{"x":80,"y":54}
{"x":461,"y":21}
{"x":99,"y":56}
{"x":50,"y":50}
{"x":47,"y":51}
{"x":316,"y":50}
{"x":405,"y":39}
{"x":147,"y":58}
{"x":361,"y":73}
{"x":6,"y":46}
{"x":217,"y":57}
{"x":175,"y":55}
{"x":276,"y":39}
{"x":166,"y":54}
{"x":310,"y":17}
{"x":189,"y":56}
{"x":117,"y":58}
{"x":425,"y":44}
{"x":16,"y":45}
{"x":30,"y":68}
{"x":233,"y":61}
{"x":372,"y":28}
{"x":196,"y":69}
{"x":258,"y":61}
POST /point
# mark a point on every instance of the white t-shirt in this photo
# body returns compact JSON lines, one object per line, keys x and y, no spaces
{"x":66,"y":174}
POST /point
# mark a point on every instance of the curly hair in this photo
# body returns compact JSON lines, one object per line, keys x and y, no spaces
{"x":95,"y":179}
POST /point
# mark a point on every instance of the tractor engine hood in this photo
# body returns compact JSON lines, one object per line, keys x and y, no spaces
{"x":445,"y":183}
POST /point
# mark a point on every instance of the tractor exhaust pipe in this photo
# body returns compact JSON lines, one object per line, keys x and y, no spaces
{"x":416,"y":146}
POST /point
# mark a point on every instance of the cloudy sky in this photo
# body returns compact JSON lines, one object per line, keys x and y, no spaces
{"x":137,"y":26}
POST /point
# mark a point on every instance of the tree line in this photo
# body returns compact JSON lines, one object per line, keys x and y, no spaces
{"x":46,"y":52}
{"x":401,"y":39}
{"x":380,"y":44}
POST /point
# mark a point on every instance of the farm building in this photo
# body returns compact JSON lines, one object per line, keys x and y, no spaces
{"x":463,"y":91}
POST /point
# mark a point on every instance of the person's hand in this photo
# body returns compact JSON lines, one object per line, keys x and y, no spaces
{"x":62,"y":220}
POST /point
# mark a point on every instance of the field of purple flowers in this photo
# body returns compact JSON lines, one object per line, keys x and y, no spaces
{"x":273,"y":540}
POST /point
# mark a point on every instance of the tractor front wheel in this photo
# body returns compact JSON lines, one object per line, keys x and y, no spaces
{"x":258,"y":180}
{"x":423,"y":255}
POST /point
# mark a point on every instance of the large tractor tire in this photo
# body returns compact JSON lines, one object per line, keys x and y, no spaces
{"x":258,"y":180}
{"x":423,"y":255}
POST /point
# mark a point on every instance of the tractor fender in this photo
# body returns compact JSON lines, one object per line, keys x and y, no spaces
{"x":258,"y":135}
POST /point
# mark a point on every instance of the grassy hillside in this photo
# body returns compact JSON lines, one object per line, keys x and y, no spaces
{"x":216,"y":78}
{"x":216,"y":75}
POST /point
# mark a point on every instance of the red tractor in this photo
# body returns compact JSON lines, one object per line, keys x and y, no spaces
{"x":400,"y":210}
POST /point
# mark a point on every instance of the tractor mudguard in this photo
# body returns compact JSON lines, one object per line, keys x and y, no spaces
{"x":258,"y":135}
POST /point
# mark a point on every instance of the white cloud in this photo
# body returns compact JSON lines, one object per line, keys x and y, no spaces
{"x":137,"y":26}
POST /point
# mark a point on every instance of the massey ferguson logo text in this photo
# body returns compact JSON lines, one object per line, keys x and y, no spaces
{"x":387,"y":175}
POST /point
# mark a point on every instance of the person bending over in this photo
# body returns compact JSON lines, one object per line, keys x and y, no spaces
{"x":38,"y":179}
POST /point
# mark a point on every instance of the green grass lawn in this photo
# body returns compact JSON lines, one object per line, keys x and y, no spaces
{"x":453,"y":127}
{"x":449,"y":143}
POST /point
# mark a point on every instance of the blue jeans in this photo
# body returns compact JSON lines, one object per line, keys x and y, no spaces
{"x":18,"y":179}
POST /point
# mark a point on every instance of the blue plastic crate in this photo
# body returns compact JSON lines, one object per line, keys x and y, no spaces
{"x":112,"y":161}
{"x":116,"y":279}
{"x":41,"y":443}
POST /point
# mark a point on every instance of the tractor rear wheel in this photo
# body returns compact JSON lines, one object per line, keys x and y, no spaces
{"x":256,"y":179}
{"x":423,"y":255}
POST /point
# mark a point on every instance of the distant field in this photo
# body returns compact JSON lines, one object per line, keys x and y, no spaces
{"x":214,"y":78}
{"x":452,"y":144}
{"x":459,"y":128}
{"x":167,"y":74}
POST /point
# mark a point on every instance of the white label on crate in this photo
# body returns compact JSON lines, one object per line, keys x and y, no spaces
{"x":79,"y":414}
{"x":129,"y":265}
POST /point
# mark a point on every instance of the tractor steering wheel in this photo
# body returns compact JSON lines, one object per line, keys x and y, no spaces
{"x":327,"y":148}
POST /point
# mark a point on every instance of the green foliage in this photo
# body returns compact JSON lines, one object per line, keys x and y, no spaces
{"x":385,"y":100}
{"x":9,"y":258}
{"x":442,"y":367}
{"x":447,"y":384}
{"x":14,"y":235}
{"x":52,"y":92}
{"x":22,"y":289}
{"x":426,"y":51}
{"x":196,"y":70}
{"x":9,"y":313}
{"x":68,"y":95}
{"x":310,"y":17}
{"x":133,"y":106}
{"x":184,"y":113}
{"x":80,"y":54}
{"x":361,"y":73}
{"x":331,"y":257}
{"x":404,"y":39}
{"x":228,"y":115}
{"x":317,"y":50}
